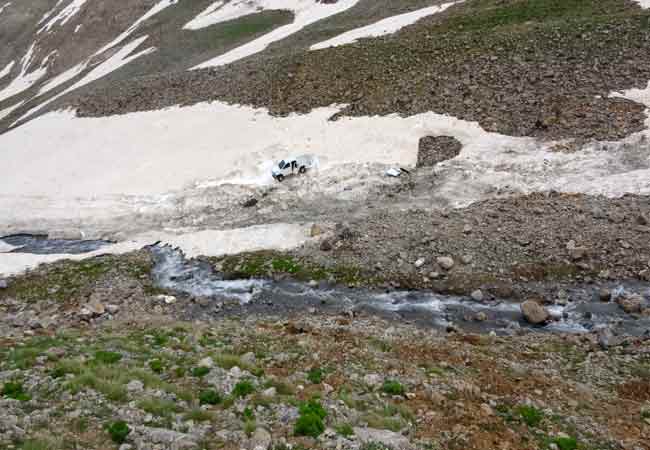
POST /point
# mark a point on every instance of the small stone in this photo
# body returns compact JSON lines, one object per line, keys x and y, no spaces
{"x":95,"y":307}
{"x":466,"y":259}
{"x":605,"y":338}
{"x":135,"y":386}
{"x":3,"y":284}
{"x":631,"y":303}
{"x":261,"y":439}
{"x":326,"y":245}
{"x":534,"y":313}
{"x":270,"y":392}
{"x":642,"y":219}
{"x":249,"y":359}
{"x":316,"y":230}
{"x":168,"y":299}
{"x":250,"y":203}
{"x":327,"y":389}
{"x":467,"y":229}
{"x":126,"y":447}
{"x":420,"y":262}
{"x":480,"y":317}
{"x":604,"y":295}
{"x":390,"y":439}
{"x":206,"y":362}
{"x":112,"y":309}
{"x":372,"y":379}
{"x":477,"y":295}
{"x":445,"y":262}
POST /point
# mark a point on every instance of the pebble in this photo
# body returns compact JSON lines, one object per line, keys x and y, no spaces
{"x":445,"y":262}
{"x":420,"y":262}
{"x":477,"y":295}
{"x":3,"y":284}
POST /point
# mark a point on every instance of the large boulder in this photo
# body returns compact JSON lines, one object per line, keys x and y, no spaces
{"x":436,"y":149}
{"x":534,"y":312}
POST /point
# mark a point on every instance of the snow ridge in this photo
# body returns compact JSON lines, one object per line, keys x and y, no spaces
{"x":386,"y":26}
{"x":306,"y":12}
{"x":4,"y":72}
{"x":5,"y":6}
{"x":63,"y":16}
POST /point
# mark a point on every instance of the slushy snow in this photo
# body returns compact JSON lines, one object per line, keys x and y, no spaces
{"x":383,"y":27}
{"x":306,"y":12}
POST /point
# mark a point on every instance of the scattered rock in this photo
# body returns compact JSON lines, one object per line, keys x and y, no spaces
{"x":631,"y":303}
{"x":372,"y":379}
{"x":390,"y":439}
{"x":206,"y":362}
{"x":260,"y":440}
{"x":250,"y":203}
{"x":316,"y":230}
{"x":534,"y":312}
{"x":445,"y":262}
{"x":477,"y":295}
{"x":605,"y":295}
{"x":436,"y":149}
{"x":135,"y":386}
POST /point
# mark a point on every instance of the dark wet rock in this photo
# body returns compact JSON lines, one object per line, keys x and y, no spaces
{"x":250,"y":203}
{"x":631,"y":303}
{"x":436,"y":149}
{"x":534,"y":312}
{"x":605,"y":295}
{"x":326,"y":245}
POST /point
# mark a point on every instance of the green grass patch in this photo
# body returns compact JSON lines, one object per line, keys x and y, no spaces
{"x":393,"y":387}
{"x":16,"y":391}
{"x":156,"y":366}
{"x":107,"y":357}
{"x":199,"y":415}
{"x":242,"y":389}
{"x":565,"y":443}
{"x":159,"y":407}
{"x":345,"y":430}
{"x":118,"y":431}
{"x":210,"y":397}
{"x":530,"y":415}
{"x":315,"y":375}
{"x":200,"y":372}
{"x":310,"y":421}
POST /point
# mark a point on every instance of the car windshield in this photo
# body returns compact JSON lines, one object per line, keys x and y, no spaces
{"x":281,"y":164}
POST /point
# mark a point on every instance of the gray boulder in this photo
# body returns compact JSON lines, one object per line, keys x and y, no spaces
{"x":388,"y":438}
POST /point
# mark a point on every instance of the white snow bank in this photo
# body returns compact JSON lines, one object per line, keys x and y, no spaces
{"x":386,"y":26}
{"x":119,"y":59}
{"x":62,"y":78}
{"x":643,"y":3}
{"x":158,"y":7}
{"x":63,"y":16}
{"x":205,"y":19}
{"x":5,"y":6}
{"x":280,"y":236}
{"x":306,"y":12}
{"x":4,"y":72}
{"x":25,"y":80}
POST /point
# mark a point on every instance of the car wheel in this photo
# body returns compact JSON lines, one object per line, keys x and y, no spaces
{"x":302,"y":170}
{"x":280,"y":178}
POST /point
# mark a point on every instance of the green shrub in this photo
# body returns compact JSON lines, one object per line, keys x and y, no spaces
{"x":315,"y":375}
{"x":248,"y":414}
{"x":243,"y":388}
{"x":104,"y":357}
{"x":156,"y":365}
{"x":209,"y":397}
{"x":310,"y":421}
{"x":566,"y":443}
{"x":345,"y":430}
{"x":393,"y":387}
{"x":16,"y":391}
{"x":119,"y":431}
{"x":645,"y":414}
{"x":530,"y":415}
{"x":200,"y":371}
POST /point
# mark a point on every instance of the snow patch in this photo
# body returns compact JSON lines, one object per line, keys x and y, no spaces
{"x":5,"y":6}
{"x":206,"y":17}
{"x":63,"y":16}
{"x":279,"y":236}
{"x":4,"y":72}
{"x":306,"y":12}
{"x":25,"y":80}
{"x":163,"y":4}
{"x":383,"y":27}
{"x":119,"y":59}
{"x":645,"y":4}
{"x":62,"y":78}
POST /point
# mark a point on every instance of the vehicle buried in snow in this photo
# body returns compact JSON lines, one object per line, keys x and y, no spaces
{"x":292,"y":166}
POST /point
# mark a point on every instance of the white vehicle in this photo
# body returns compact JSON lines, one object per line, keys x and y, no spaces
{"x":292,"y":166}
